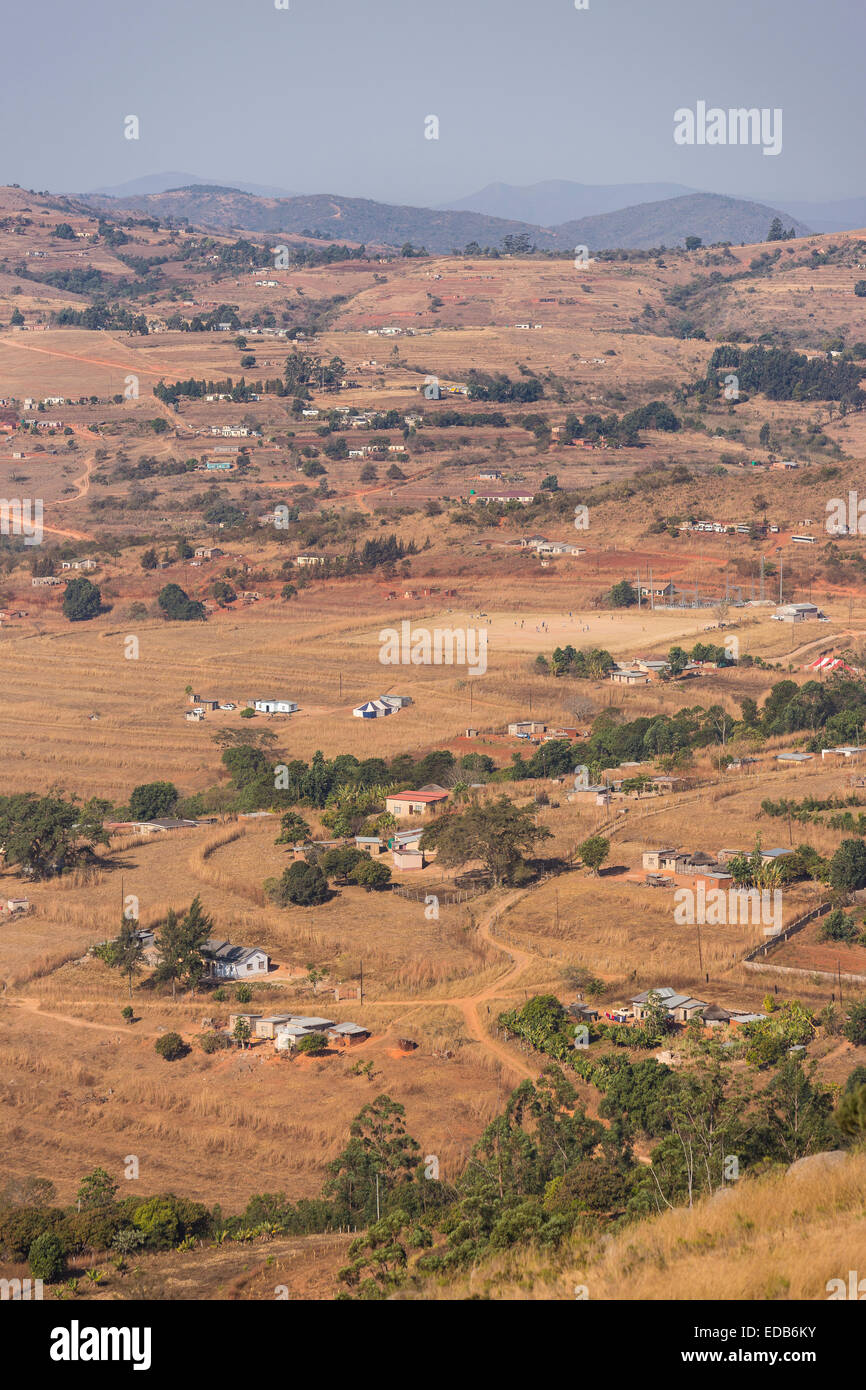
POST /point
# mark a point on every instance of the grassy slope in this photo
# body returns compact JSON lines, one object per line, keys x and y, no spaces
{"x":778,"y":1237}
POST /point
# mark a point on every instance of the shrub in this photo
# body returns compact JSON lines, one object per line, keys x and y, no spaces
{"x":243,"y":994}
{"x":312,"y":1043}
{"x":213,"y":1042}
{"x":171,"y":1046}
{"x":20,"y":1227}
{"x":47,"y":1258}
{"x":158,"y":1223}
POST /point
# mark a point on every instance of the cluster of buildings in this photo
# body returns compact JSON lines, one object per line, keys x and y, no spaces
{"x":542,"y":546}
{"x":799,"y":613}
{"x":286,"y":1030}
{"x":381,"y":707}
{"x":721,"y":528}
{"x":680,"y":1009}
{"x":202,"y":705}
{"x":644,"y":670}
{"x":666,"y":866}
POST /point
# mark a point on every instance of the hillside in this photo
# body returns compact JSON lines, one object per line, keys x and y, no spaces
{"x":663,"y":223}
{"x":780,"y":1238}
{"x":347,"y":219}
{"x":707,"y":215}
{"x":560,"y":200}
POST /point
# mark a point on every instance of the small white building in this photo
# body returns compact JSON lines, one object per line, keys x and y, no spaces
{"x":273,"y":706}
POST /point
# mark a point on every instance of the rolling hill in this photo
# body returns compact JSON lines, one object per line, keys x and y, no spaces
{"x":360,"y":220}
{"x":553,"y":201}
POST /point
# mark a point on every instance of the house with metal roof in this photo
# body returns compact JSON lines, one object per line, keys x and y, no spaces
{"x":223,"y":961}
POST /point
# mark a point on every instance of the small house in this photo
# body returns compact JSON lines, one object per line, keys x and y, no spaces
{"x":266,"y":1027}
{"x":226,"y":962}
{"x":420,"y":803}
{"x":347,"y":1034}
{"x":407,"y":858}
{"x":273,"y":706}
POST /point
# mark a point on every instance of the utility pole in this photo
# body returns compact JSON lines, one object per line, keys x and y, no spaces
{"x":361,"y":992}
{"x":652,"y":595}
{"x":700,"y":952}
{"x":341,"y":685}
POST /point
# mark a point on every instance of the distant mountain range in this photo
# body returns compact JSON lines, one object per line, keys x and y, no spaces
{"x":843,"y":215}
{"x":161,"y":183}
{"x":557,"y":200}
{"x":665,"y":221}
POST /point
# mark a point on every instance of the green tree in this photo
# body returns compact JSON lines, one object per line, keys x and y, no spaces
{"x":149,"y":559}
{"x":97,"y":1189}
{"x":178,"y":607}
{"x":851,"y":1114}
{"x":170,"y":1046}
{"x":293,"y":829}
{"x":677,"y":660}
{"x":81,"y":600}
{"x":797,"y":1113}
{"x":498,"y":833}
{"x":855,"y":1026}
{"x":124,"y":953}
{"x":622,"y":595}
{"x":370,"y":874}
{"x":848,"y":866}
{"x":48,"y":834}
{"x":151,"y":800}
{"x":242,"y":1031}
{"x":180,"y":942}
{"x":312,"y":1043}
{"x":378,"y":1146}
{"x":302,"y":884}
{"x":223,"y":592}
{"x":593,"y":852}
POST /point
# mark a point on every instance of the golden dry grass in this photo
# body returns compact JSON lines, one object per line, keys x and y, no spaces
{"x":779,"y":1238}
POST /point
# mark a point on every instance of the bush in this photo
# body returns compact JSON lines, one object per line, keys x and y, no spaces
{"x":312,"y":1043}
{"x":166,"y":1219}
{"x":171,"y":1046}
{"x":47,"y":1258}
{"x":20,"y":1227}
{"x":213,"y":1042}
{"x":158,"y":1223}
{"x":243,"y":994}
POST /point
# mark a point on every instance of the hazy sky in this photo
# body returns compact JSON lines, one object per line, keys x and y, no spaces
{"x":331,"y":95}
